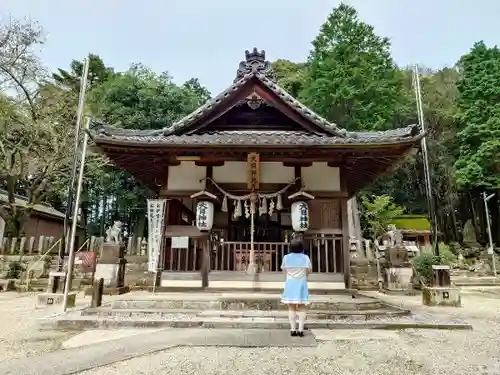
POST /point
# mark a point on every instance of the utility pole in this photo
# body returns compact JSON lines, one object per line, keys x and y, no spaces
{"x":63,"y":249}
{"x":425,"y":157}
{"x":74,"y":223}
{"x":491,"y":250}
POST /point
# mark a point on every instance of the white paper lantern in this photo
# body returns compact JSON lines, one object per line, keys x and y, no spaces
{"x":300,"y":216}
{"x":204,"y":215}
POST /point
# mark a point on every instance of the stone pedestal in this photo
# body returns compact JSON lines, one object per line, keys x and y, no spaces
{"x":47,"y":299}
{"x":61,"y":275}
{"x":111,"y":268}
{"x":441,"y":296}
{"x":399,"y":279}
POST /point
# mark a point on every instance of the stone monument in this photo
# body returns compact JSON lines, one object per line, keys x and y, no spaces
{"x":441,"y":292}
{"x":399,"y":271}
{"x":57,"y":298}
{"x":111,"y":264}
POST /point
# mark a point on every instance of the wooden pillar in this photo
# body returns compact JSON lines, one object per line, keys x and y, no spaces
{"x":345,"y":230}
{"x":162,"y":254}
{"x":205,"y":267}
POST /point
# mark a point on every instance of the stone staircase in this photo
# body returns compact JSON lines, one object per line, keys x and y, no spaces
{"x":238,"y":310}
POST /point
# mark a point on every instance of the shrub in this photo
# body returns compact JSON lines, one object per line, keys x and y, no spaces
{"x":425,"y":260}
{"x":15,"y":270}
{"x":446,"y":255}
{"x":423,"y":265}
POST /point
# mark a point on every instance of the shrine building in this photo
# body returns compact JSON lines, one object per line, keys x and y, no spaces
{"x":246,"y":172}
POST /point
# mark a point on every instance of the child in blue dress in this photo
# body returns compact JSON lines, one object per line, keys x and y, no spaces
{"x":296,"y":265}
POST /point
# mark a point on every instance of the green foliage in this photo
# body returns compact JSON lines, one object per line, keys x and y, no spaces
{"x":423,"y":265}
{"x":15,"y":269}
{"x":377,"y":212}
{"x":290,"y":76}
{"x":478,"y":163}
{"x":137,"y":99}
{"x":446,"y":255}
{"x":425,"y":260}
{"x":142,"y":99}
{"x":417,"y":222}
{"x":98,"y":73}
{"x":352,"y":79}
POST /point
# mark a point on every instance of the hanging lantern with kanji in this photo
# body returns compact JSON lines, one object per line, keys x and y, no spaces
{"x":204,"y":215}
{"x":299,"y":211}
{"x":300,"y":216}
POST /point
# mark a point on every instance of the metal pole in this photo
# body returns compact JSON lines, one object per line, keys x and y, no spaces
{"x":488,"y":226}
{"x":71,"y":257}
{"x":425,"y":156}
{"x":69,"y":200}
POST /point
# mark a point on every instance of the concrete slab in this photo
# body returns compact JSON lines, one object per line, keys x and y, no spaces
{"x":97,"y":336}
{"x":87,"y":357}
{"x":350,"y":335}
{"x":239,"y":301}
{"x":79,"y":322}
{"x":208,"y":296}
{"x":311,"y":314}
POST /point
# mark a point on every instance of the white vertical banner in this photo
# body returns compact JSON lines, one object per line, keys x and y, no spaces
{"x":156,"y":217}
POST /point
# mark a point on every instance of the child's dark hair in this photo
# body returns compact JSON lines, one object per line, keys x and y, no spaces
{"x":296,"y":246}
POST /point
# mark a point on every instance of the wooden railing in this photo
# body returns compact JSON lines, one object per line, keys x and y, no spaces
{"x":325,"y":252}
{"x":184,"y":260}
{"x":235,"y":256}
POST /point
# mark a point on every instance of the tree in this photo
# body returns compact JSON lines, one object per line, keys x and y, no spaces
{"x":142,"y":99}
{"x":377,"y":213}
{"x":290,"y":76}
{"x":478,"y":163}
{"x":139,"y":99}
{"x":35,"y":137}
{"x":407,"y":183}
{"x":352,"y":79}
{"x":70,"y":80}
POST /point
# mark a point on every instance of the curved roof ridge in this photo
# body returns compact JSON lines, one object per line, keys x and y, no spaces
{"x":302,"y":109}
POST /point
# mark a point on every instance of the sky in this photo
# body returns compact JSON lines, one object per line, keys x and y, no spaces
{"x":207,"y":39}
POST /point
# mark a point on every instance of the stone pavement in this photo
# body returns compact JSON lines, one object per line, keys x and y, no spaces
{"x":77,"y":359}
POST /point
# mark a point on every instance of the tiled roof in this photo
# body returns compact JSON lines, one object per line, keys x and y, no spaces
{"x":43,"y":209}
{"x":255,"y":67}
{"x":254,"y":137}
{"x":293,"y":103}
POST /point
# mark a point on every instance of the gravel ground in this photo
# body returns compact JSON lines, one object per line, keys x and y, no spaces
{"x":415,"y":352}
{"x":19,"y":336}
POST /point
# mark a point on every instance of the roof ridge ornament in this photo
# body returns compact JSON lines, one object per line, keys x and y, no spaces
{"x":255,"y":63}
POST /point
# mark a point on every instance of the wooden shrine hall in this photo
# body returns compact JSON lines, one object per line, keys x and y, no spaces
{"x":244,"y":174}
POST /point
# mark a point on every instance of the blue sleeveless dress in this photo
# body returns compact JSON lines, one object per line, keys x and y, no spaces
{"x":296,"y":266}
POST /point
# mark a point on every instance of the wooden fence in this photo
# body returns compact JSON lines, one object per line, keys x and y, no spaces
{"x":39,"y":245}
{"x":27,"y":245}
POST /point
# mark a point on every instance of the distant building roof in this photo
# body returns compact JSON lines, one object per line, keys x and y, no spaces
{"x":38,"y":208}
{"x":412,"y":223}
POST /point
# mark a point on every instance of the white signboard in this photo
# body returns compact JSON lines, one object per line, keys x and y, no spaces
{"x":180,"y":242}
{"x":156,"y":217}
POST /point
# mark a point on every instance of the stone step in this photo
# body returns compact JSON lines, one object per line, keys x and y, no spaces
{"x":167,"y":314}
{"x":476,"y":282}
{"x":170,"y":289}
{"x":79,"y":322}
{"x":238,"y":302}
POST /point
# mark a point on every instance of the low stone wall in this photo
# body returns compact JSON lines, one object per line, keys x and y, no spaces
{"x":364,"y":273}
{"x":136,"y":271}
{"x":28,"y":261}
